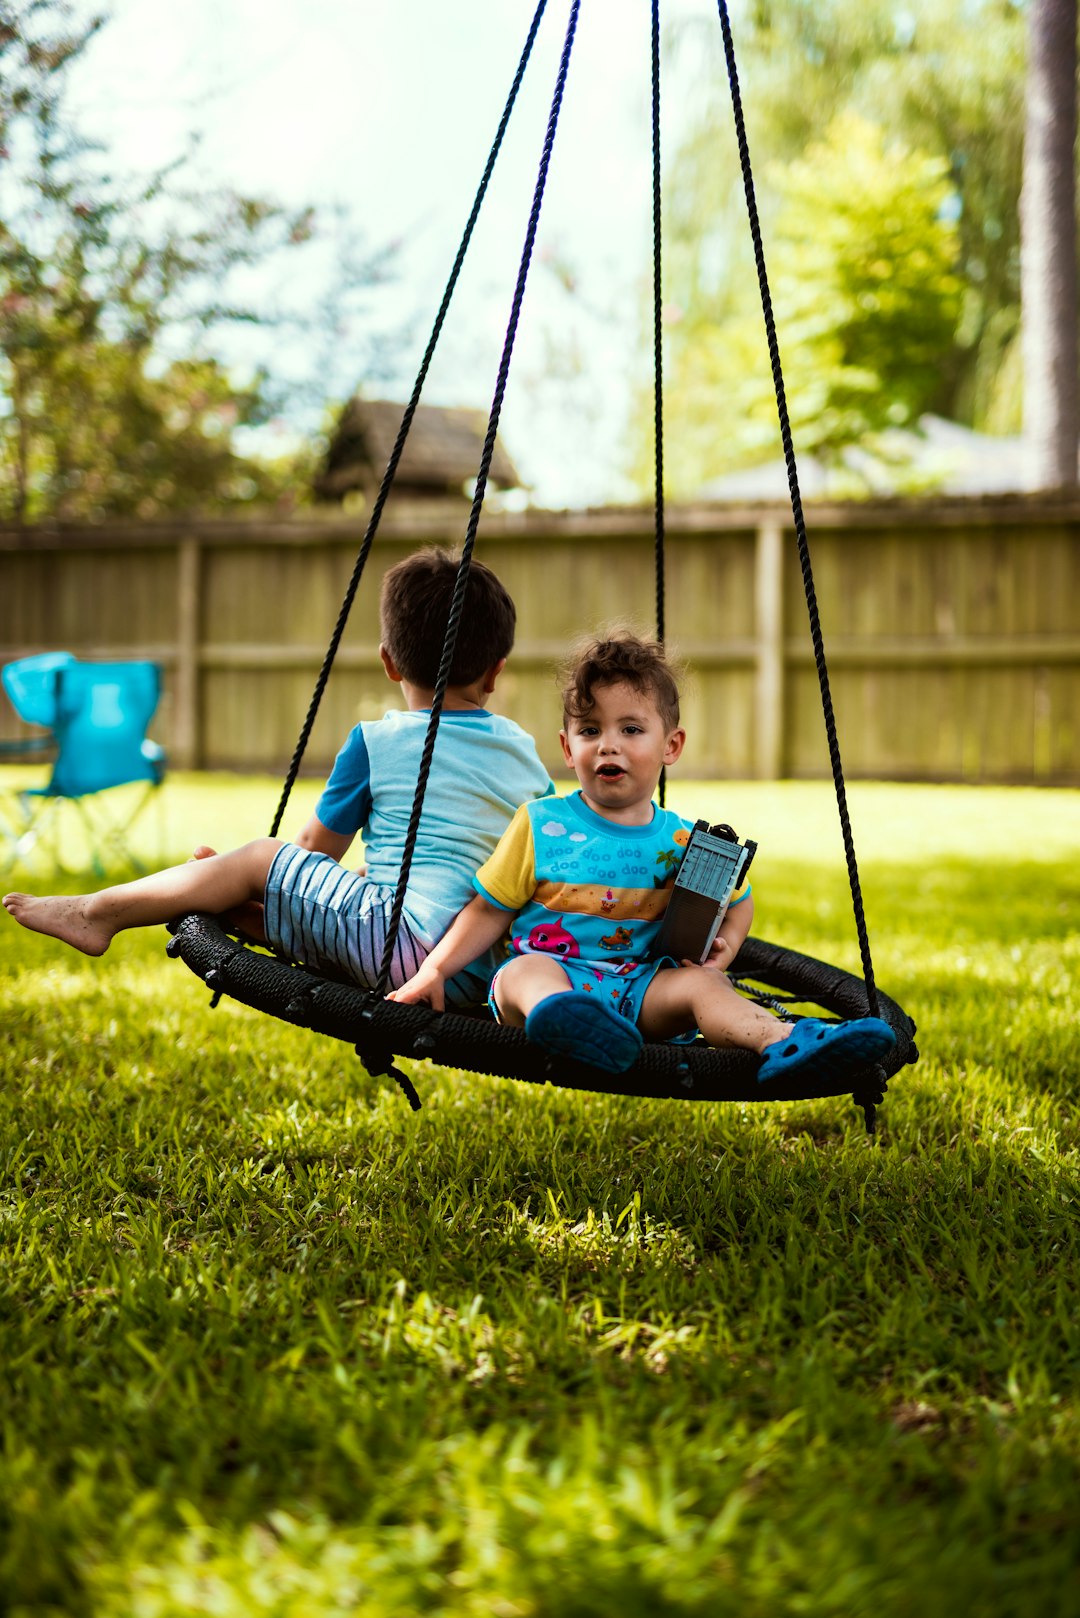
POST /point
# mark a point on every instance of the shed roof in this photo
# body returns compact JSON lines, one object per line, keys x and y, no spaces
{"x":442,"y":452}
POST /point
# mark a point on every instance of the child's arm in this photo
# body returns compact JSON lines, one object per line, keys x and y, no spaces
{"x":322,"y":840}
{"x":474,"y":930}
{"x":729,"y":939}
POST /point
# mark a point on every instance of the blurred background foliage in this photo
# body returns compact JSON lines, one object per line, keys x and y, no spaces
{"x":887,"y":143}
{"x":887,"y":146}
{"x":113,"y":286}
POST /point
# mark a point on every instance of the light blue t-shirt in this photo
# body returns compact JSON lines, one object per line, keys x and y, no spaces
{"x":484,"y":766}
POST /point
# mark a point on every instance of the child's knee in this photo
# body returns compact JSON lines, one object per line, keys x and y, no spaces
{"x":260,"y":854}
{"x":685,"y":991}
{"x":706,"y":983}
{"x":525,"y":977}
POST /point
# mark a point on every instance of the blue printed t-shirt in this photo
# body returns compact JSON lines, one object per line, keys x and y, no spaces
{"x":582,"y":886}
{"x":483,"y":767}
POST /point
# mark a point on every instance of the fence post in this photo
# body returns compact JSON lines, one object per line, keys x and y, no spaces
{"x":186,"y":743}
{"x":769,"y":633}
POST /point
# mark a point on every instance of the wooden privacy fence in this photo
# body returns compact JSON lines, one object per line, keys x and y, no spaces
{"x":952,"y":628}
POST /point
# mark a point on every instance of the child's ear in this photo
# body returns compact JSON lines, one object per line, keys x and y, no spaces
{"x":675,"y":744}
{"x":389,"y":665}
{"x":492,"y":675}
{"x":566,"y":753}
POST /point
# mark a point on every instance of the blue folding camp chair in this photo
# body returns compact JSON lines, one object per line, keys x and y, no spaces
{"x":100,"y":715}
{"x":30,"y":683}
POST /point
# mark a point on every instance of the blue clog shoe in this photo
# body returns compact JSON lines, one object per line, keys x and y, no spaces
{"x":814,"y":1047}
{"x":580,"y":1025}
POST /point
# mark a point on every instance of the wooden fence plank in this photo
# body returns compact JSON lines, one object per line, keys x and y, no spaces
{"x":952,"y":628}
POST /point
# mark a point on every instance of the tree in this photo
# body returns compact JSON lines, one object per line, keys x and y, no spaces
{"x":112,"y":289}
{"x":865,"y":299}
{"x":942,"y":84}
{"x":121,"y":440}
{"x":1048,"y":223}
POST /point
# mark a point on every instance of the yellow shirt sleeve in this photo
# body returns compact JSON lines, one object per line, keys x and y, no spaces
{"x":508,"y":878}
{"x":740,"y":894}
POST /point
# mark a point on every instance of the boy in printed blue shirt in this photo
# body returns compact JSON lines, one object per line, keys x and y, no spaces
{"x":583,"y":883}
{"x":314,"y":910}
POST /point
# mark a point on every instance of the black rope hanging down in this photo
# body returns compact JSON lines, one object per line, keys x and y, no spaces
{"x":797,"y":514}
{"x":658,"y":349}
{"x":461,"y":582}
{"x":658,"y":316}
{"x":403,"y":431}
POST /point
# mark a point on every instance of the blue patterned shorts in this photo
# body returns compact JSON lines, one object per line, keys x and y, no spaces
{"x":622,"y":987}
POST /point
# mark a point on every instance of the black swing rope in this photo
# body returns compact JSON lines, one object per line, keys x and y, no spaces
{"x":461,"y":582}
{"x":797,"y":515}
{"x":658,"y":350}
{"x":403,"y":431}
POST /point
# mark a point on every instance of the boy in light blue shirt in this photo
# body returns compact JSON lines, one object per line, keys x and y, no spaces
{"x":316,"y":911}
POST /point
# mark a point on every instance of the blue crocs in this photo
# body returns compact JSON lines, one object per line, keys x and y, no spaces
{"x":815,"y":1047}
{"x":580,"y":1025}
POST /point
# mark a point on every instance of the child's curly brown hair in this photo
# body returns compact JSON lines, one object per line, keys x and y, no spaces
{"x":620,"y":657}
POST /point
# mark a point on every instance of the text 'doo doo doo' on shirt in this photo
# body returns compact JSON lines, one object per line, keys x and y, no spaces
{"x":582,"y":886}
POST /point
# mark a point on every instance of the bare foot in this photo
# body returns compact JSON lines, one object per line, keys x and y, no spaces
{"x":60,"y":917}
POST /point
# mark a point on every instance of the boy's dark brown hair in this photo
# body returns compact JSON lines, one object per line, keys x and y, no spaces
{"x":619,"y":658}
{"x":414,"y":605}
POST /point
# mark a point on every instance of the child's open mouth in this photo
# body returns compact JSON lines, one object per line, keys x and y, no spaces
{"x":610,"y":772}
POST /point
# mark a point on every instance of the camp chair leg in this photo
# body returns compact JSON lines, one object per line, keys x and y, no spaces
{"x":94,"y":836}
{"x":109,"y":839}
{"x":31,"y":830}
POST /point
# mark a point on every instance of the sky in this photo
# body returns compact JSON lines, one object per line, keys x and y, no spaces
{"x":388,"y":108}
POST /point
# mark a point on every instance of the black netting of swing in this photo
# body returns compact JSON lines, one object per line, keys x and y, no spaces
{"x":380,"y":1029}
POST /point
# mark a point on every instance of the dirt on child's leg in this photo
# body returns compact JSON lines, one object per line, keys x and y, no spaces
{"x":683,"y":997}
{"x":61,"y":916}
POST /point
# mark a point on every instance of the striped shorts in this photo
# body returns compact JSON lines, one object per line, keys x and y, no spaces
{"x":335,"y":921}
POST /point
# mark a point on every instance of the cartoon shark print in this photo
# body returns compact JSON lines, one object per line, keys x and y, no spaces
{"x":550,"y":938}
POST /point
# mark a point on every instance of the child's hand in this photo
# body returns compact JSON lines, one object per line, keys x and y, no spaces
{"x":720,"y":955}
{"x":423,"y":988}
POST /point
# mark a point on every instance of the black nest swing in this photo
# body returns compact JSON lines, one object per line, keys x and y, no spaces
{"x":779,"y":978}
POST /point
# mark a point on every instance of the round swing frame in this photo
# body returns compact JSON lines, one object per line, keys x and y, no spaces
{"x":380,"y":1029}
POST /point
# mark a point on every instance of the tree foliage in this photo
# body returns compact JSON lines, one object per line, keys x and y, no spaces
{"x":887,"y":147}
{"x":865,"y":299}
{"x":112,"y":289}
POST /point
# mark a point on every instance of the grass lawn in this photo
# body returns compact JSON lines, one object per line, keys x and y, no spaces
{"x":272,"y":1344}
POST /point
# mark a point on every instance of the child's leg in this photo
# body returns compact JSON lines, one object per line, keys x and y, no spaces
{"x":680,"y":997}
{"x":523,"y":983}
{"x":248,"y":917}
{"x":90,"y":922}
{"x":684,"y":997}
